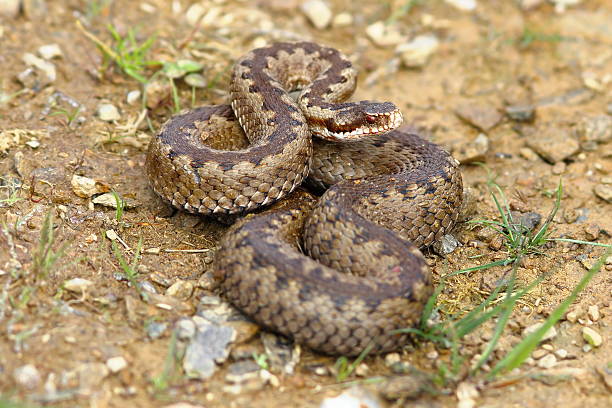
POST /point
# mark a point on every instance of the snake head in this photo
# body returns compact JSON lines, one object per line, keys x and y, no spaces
{"x":357,"y":120}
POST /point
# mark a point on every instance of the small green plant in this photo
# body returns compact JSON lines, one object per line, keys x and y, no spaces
{"x":344,"y":369}
{"x":261,"y":360}
{"x":120,"y":206}
{"x":45,"y":257}
{"x":12,"y":188}
{"x":530,"y":36}
{"x":161,"y":382}
{"x":69,"y":115}
{"x":130,"y":270}
{"x":402,"y":11}
{"x":126,"y":52}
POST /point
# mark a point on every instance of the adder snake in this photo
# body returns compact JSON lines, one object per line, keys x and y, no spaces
{"x":389,"y":192}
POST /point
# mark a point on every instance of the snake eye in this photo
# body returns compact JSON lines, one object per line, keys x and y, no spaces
{"x":371,"y":118}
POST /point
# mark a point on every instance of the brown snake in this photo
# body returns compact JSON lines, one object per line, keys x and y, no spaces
{"x":391,"y":192}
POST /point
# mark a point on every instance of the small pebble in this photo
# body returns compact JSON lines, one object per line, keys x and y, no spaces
{"x":528,"y":154}
{"x":355,"y":397}
{"x":521,"y":113}
{"x":181,"y":290}
{"x":559,"y":168}
{"x":538,"y":354}
{"x":416,"y":53}
{"x":108,"y":112}
{"x":384,"y":35}
{"x":592,"y":336}
{"x":550,"y":333}
{"x":571,"y":317}
{"x":547,"y":361}
{"x":603,"y":191}
{"x":133,"y":97}
{"x":50,"y":51}
{"x":561,"y":353}
{"x":318,"y":13}
{"x":77,"y":285}
{"x":116,"y":364}
{"x":465,"y":5}
{"x":342,"y":20}
{"x":86,"y":187}
{"x":591,"y":232}
{"x":471,"y":151}
{"x":40,"y":64}
{"x":392,"y":358}
{"x":27,"y":376}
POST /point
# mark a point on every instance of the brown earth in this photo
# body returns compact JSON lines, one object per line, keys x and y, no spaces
{"x":496,"y":56}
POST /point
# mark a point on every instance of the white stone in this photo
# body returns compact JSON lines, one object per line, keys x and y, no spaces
{"x":465,"y":5}
{"x":50,"y":51}
{"x":416,"y":53}
{"x":133,"y":97}
{"x":385,"y":35}
{"x":593,"y":312}
{"x":318,"y":13}
{"x":116,"y":364}
{"x":550,"y":333}
{"x":592,"y":336}
{"x":77,"y":285}
{"x":108,"y":112}
{"x":342,"y":20}
{"x":548,"y":361}
{"x":27,"y":376}
{"x":40,"y":64}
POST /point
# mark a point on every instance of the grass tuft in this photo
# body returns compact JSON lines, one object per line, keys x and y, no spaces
{"x":45,"y":257}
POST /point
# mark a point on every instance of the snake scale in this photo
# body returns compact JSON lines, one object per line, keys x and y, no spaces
{"x":388,"y":192}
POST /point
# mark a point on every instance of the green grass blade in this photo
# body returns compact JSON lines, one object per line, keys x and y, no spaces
{"x":519,"y":353}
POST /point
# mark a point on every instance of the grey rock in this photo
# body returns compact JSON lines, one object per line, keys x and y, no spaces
{"x":156,"y":329}
{"x":405,"y":386}
{"x":209,"y":347}
{"x":483,"y":117}
{"x":521,"y":113}
{"x":554,"y":144}
{"x":185,"y":329}
{"x":446,"y":245}
{"x":528,"y":220}
{"x":282,"y":354}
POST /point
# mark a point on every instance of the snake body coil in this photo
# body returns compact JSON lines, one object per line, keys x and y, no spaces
{"x":390,"y":194}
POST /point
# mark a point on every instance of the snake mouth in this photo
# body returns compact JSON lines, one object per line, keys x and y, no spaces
{"x":373,"y":124}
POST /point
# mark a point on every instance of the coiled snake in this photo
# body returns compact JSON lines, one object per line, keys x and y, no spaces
{"x":391,"y":192}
